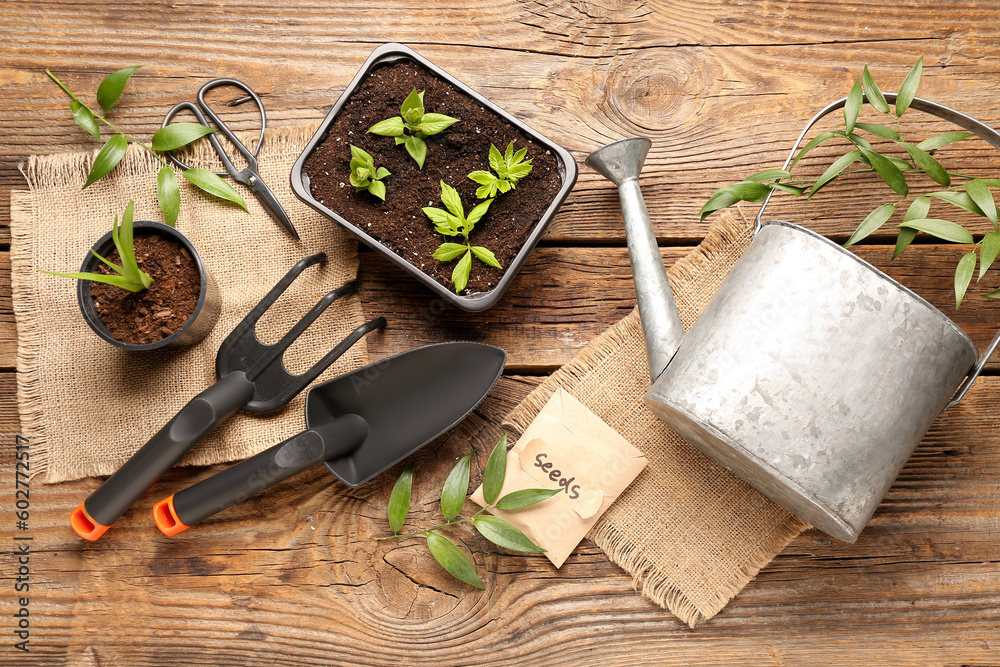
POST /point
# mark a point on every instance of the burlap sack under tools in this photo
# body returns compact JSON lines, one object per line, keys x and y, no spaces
{"x":691,"y":534}
{"x":87,"y":406}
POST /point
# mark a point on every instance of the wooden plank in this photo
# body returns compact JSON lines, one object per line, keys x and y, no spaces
{"x":564,"y":297}
{"x":714,"y":113}
{"x":921,"y":586}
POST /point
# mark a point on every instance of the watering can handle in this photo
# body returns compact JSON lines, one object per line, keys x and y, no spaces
{"x":981,"y":130}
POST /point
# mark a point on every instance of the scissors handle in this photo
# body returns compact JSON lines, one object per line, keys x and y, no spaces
{"x":202,"y":109}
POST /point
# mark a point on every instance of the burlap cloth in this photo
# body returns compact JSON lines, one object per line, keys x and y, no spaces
{"x":87,"y":406}
{"x":691,"y":534}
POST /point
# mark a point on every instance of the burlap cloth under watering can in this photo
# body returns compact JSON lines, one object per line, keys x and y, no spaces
{"x":87,"y":406}
{"x":690,"y":533}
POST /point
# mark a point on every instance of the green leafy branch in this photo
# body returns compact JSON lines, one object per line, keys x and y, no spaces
{"x":364,"y":175}
{"x":412,"y":126}
{"x":973,"y":195}
{"x":129,"y":275}
{"x":453,"y":496}
{"x":166,"y":139}
{"x":454,"y":222}
{"x":510,"y":168}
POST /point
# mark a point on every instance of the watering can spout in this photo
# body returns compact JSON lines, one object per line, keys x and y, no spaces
{"x":620,"y":162}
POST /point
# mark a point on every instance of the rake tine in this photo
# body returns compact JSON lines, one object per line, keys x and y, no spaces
{"x":335,"y":353}
{"x":275,"y":351}
{"x":247,"y":324}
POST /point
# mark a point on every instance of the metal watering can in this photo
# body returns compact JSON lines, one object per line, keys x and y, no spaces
{"x":811,"y":374}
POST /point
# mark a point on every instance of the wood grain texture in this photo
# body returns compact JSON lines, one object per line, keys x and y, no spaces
{"x":294,"y":577}
{"x":921,"y":586}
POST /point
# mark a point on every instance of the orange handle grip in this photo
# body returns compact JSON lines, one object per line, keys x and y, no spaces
{"x":166,"y":519}
{"x":84,"y":525}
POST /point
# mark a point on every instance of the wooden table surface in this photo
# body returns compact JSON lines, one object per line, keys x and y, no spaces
{"x":722,"y":88}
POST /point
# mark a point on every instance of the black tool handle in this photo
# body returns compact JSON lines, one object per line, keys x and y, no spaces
{"x":247,"y":478}
{"x":176,"y":438}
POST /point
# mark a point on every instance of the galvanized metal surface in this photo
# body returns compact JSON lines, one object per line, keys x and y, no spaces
{"x":811,"y":375}
{"x":620,"y":162}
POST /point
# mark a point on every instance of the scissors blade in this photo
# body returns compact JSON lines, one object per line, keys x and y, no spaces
{"x":269,"y":202}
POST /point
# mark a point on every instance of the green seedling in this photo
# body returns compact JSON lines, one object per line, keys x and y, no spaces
{"x":913,"y":160}
{"x":173,"y":136}
{"x":412,"y":126}
{"x":129,"y":275}
{"x":510,"y":168}
{"x":364,"y":175}
{"x":453,"y":495}
{"x":454,"y":222}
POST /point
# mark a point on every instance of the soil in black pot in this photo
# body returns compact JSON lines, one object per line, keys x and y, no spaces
{"x":399,"y":223}
{"x":153,"y":314}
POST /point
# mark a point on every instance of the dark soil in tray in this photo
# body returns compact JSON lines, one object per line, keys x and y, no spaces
{"x":155,"y":313}
{"x":399,"y":223}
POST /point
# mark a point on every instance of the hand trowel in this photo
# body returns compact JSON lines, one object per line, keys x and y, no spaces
{"x":358,"y":424}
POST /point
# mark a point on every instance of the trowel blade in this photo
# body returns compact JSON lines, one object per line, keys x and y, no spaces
{"x":408,"y":400}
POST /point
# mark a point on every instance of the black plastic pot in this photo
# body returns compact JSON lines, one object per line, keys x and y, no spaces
{"x":392,"y":53}
{"x":201,"y":322}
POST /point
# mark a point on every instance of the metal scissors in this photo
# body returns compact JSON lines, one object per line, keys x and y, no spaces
{"x":250,"y":176}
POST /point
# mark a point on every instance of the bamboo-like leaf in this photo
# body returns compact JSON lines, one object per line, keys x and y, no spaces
{"x":449,"y":251}
{"x":168,"y":195}
{"x":908,"y":89}
{"x":107,"y":159}
{"x":878,"y":130}
{"x":940,"y":140}
{"x":208,"y":182}
{"x":839,"y":165}
{"x":928,"y":164}
{"x":718,"y":201}
{"x":901,"y":164}
{"x":959,"y":199}
{"x":993,"y":294}
{"x":496,"y":471}
{"x":988,"y":252}
{"x":903,"y":240}
{"x":963,"y":276}
{"x":813,"y":143}
{"x":791,"y":189}
{"x":918,"y":210}
{"x":525,"y":498}
{"x":872,"y":222}
{"x":980,"y":193}
{"x":175,"y":135}
{"x":892,"y":176}
{"x":111,"y":88}
{"x":460,"y":274}
{"x":452,"y":559}
{"x":942,"y":229}
{"x":84,"y":117}
{"x":853,"y":106}
{"x":768,"y":175}
{"x":504,"y":534}
{"x":486,"y":256}
{"x":417,"y":149}
{"x":748,"y":191}
{"x":873,"y":92}
{"x":455,"y":488}
{"x":399,"y":500}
